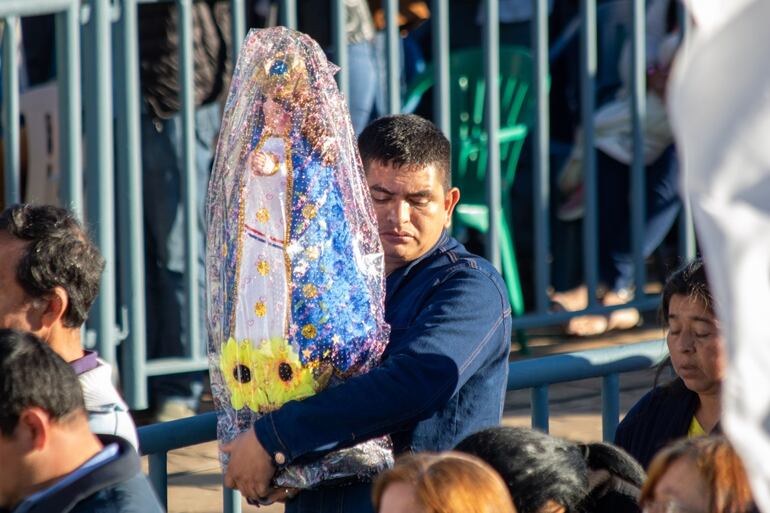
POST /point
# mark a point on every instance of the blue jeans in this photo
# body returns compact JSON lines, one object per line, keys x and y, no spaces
{"x":616,"y":266}
{"x":356,"y":498}
{"x":162,"y":166}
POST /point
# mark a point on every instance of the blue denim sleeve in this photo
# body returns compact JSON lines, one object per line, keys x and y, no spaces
{"x":459,"y":327}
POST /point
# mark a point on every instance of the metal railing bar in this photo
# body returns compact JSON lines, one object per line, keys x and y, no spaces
{"x":492,"y":114}
{"x":534,"y":320}
{"x":161,"y":366}
{"x":159,"y":476}
{"x":393,"y":54}
{"x":189,"y":181}
{"x":610,"y":405}
{"x":561,"y":368}
{"x":70,"y":134}
{"x":11,"y":135}
{"x":539,"y":402}
{"x":541,"y":182}
{"x":440,"y":42}
{"x":189,"y":431}
{"x":639,"y":112}
{"x":587,"y":104}
{"x":22,"y":8}
{"x":237,"y":27}
{"x":288,"y":13}
{"x":100,"y":166}
{"x":340,"y":42}
{"x":131,"y":215}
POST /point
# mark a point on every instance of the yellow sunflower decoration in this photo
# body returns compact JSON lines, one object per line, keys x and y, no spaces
{"x":285,"y":378}
{"x":242,"y":376}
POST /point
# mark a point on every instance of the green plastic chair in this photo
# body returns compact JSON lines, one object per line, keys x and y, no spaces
{"x":469,"y":143}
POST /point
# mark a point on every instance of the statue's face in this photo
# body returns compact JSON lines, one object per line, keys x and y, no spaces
{"x":277,"y":116}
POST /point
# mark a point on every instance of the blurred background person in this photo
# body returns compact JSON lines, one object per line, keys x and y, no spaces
{"x":701,"y":475}
{"x":441,"y":483}
{"x":690,"y":405}
{"x":545,"y":474}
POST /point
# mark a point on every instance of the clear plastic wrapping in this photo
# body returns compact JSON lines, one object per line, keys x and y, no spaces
{"x":294,"y":263}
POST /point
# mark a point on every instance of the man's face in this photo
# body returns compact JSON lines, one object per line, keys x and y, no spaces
{"x":412,"y":209}
{"x":16,"y":307}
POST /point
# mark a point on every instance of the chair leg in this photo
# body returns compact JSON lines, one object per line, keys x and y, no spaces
{"x":512,"y":280}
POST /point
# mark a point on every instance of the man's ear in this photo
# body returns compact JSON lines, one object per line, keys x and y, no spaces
{"x":53,"y":306}
{"x":33,"y":430}
{"x":451,"y":198}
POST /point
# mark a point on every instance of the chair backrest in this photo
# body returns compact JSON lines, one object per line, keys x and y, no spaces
{"x":468,"y":91}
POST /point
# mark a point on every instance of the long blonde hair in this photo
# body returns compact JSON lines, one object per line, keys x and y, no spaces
{"x":449,"y":482}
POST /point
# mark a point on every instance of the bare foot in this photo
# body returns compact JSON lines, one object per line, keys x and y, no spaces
{"x":571,"y":300}
{"x":624,"y":319}
{"x":593,"y":325}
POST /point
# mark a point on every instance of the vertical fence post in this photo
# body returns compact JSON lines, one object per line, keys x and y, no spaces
{"x":540,"y":183}
{"x":11,"y":136}
{"x":130,"y":203}
{"x":539,"y":400}
{"x":393,"y":45}
{"x":441,"y":96}
{"x":340,"y":38}
{"x":492,"y":111}
{"x":237,"y":27}
{"x":289,"y":13}
{"x":159,"y":476}
{"x":587,"y":100}
{"x":190,"y":182}
{"x":638,"y":107}
{"x":70,"y":130}
{"x":231,"y":499}
{"x":610,"y":406}
{"x":100,"y":172}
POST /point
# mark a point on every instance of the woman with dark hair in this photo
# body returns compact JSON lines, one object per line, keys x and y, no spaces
{"x":703,"y":474}
{"x":690,"y":405}
{"x":545,"y":474}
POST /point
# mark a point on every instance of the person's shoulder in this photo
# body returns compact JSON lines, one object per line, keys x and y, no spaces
{"x":457,"y":262}
{"x":133,"y":495}
{"x":652,"y":404}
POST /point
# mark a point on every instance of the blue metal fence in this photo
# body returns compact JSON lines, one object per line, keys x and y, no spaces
{"x":108,"y":56}
{"x":536,"y":374}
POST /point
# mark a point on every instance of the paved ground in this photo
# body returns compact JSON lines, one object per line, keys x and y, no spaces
{"x":575,"y":413}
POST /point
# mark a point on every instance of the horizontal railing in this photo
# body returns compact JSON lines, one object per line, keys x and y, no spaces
{"x":538,"y":374}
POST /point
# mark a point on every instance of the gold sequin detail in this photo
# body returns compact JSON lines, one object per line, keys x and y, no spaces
{"x":260,"y":309}
{"x":336,"y":340}
{"x":263,"y":267}
{"x":309,"y":211}
{"x":224,"y":250}
{"x":313,"y":252}
{"x":310,"y":291}
{"x":263,"y":215}
{"x":309,"y":331}
{"x":307,"y":353}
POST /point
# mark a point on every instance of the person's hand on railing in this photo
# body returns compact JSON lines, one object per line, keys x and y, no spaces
{"x":251,"y":468}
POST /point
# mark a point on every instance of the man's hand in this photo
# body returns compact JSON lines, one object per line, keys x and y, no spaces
{"x":251,"y":467}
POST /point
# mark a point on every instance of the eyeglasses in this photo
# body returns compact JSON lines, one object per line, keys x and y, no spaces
{"x":667,"y":506}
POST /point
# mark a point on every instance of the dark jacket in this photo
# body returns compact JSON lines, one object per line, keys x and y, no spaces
{"x":662,"y":415}
{"x":115,"y":486}
{"x":159,"y":59}
{"x":443,"y":375}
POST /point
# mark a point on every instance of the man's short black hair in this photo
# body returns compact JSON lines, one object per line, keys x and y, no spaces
{"x":58,"y":254}
{"x":406,"y":140}
{"x":32,"y":375}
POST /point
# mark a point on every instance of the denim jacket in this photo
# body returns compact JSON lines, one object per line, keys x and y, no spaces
{"x":443,"y":374}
